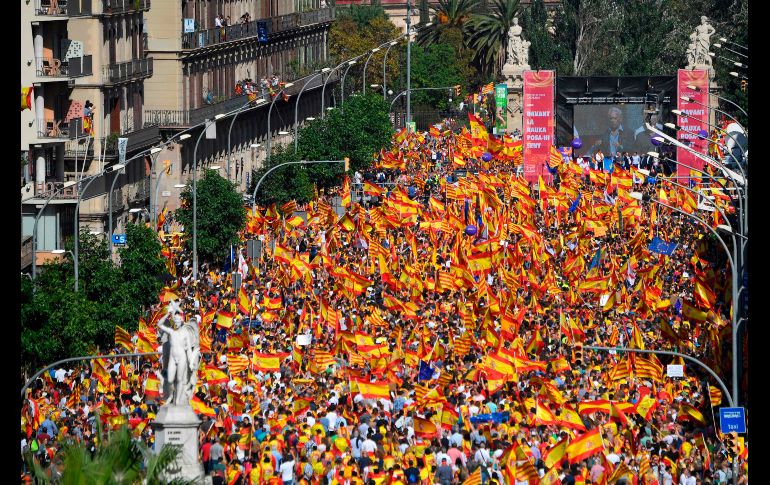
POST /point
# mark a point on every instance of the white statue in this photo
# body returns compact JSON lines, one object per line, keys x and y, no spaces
{"x":518,"y":48}
{"x":700,"y":43}
{"x":181,"y":357}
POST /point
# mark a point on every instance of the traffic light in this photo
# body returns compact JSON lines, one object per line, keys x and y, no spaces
{"x":347,"y":164}
{"x":457,"y":90}
{"x":730,"y":442}
{"x":167,"y":166}
{"x":577,"y":353}
{"x":744,"y":84}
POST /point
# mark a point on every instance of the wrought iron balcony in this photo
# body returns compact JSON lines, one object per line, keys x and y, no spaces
{"x":127,"y":71}
{"x":262,"y":29}
{"x":68,"y":68}
{"x":116,"y":7}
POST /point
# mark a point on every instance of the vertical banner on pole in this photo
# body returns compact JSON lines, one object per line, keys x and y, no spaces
{"x":501,"y":109}
{"x":538,"y":123}
{"x":690,"y":127}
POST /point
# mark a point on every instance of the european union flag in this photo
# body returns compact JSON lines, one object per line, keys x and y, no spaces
{"x":574,"y":206}
{"x":660,"y":246}
{"x":426,"y":372}
{"x":490,"y":418}
{"x":597,"y":258}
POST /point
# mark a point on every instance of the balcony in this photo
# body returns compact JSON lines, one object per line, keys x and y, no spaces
{"x":51,"y":67}
{"x":118,"y":7}
{"x":79,"y":8}
{"x":53,"y":129}
{"x":51,"y":8}
{"x":127,"y":71}
{"x":263,"y":29}
{"x":186,"y":118}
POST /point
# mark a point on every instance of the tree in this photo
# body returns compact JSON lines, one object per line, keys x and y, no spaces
{"x":488,"y":34}
{"x":447,"y":14}
{"x":282,"y":184}
{"x":220,"y":216}
{"x":118,"y":460}
{"x":545,"y":51}
{"x":433,"y":66}
{"x":141,"y":265}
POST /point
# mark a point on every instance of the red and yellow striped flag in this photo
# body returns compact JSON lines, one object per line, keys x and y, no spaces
{"x":585,"y":445}
{"x":225,"y":319}
{"x":123,"y":338}
{"x":323,"y":359}
{"x":266,"y":362}
{"x":201,"y":408}
{"x":237,"y":363}
{"x":474,"y":478}
{"x":152,"y":386}
{"x":214,"y":376}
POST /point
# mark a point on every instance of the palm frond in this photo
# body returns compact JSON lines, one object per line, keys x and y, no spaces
{"x":158,"y":463}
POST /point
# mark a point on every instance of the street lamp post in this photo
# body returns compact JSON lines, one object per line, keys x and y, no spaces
{"x":245,"y":107}
{"x":195,"y":194}
{"x":682,"y":113}
{"x":350,"y":64}
{"x":371,"y":53}
{"x":692,"y":100}
{"x":300,"y":162}
{"x":720,"y":46}
{"x":731,"y":61}
{"x":185,"y":136}
{"x":731,"y":256}
{"x":323,"y":90}
{"x":724,"y":39}
{"x":384,"y":72}
{"x":270,"y":111}
{"x":698,"y":89}
{"x":296,"y":104}
{"x":37,"y":218}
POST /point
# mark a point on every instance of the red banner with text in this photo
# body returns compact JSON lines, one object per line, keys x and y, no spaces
{"x":693,"y":120}
{"x":538,"y":121}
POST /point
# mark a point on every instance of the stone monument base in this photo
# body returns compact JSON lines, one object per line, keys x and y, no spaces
{"x":178,"y":425}
{"x":514,"y":78}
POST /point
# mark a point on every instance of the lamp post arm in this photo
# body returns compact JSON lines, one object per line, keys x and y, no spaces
{"x":296,"y":110}
{"x":299,"y":162}
{"x":675,"y":354}
{"x":721,"y":213}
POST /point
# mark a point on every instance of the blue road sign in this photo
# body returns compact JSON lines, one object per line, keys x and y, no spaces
{"x":118,"y":239}
{"x":732,"y":419}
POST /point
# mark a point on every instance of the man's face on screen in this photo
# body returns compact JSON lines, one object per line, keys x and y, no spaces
{"x":616,"y":118}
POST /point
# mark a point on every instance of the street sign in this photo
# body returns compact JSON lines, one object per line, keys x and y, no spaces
{"x":732,"y":419}
{"x":118,"y":239}
{"x":189,"y":25}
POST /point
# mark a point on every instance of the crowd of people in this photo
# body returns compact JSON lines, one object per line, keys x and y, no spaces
{"x":439,"y":333}
{"x":270,"y":85}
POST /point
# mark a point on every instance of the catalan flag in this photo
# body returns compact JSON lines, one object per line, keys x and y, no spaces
{"x":715,"y":395}
{"x":237,"y":363}
{"x":323,"y":359}
{"x":123,"y":338}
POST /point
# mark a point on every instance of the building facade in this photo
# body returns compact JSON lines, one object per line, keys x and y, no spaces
{"x":83,"y":66}
{"x":208,"y":56}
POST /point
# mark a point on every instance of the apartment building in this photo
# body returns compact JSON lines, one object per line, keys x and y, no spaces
{"x":84,"y":65}
{"x":205,"y":52}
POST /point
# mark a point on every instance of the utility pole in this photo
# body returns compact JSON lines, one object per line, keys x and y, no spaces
{"x":408,"y":63}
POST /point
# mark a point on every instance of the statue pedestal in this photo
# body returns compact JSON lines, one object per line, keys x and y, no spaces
{"x":704,"y":67}
{"x":514,"y":78}
{"x":178,"y":425}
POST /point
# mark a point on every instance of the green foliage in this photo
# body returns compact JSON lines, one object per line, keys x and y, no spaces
{"x":362,"y":15}
{"x":57,"y":322}
{"x":358,"y":131}
{"x":141,"y":264}
{"x":282,"y":184}
{"x":448,"y":14}
{"x":220,"y":216}
{"x":488,"y":33}
{"x":545,"y":52}
{"x":118,"y":460}
{"x":431,"y":69}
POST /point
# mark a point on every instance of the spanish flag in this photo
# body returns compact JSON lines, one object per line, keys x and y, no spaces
{"x":26,"y":98}
{"x":556,"y":454}
{"x":225,"y":319}
{"x":687,"y":411}
{"x":424,"y":428}
{"x":266,"y":362}
{"x":373,"y":390}
{"x":585,"y":445}
{"x":214,"y":376}
{"x":201,"y":408}
{"x":244,"y":304}
{"x":152,"y":386}
{"x":346,"y":192}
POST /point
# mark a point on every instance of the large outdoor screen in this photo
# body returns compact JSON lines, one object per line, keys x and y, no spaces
{"x":612,"y":128}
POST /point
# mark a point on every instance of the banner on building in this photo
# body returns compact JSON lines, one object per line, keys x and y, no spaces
{"x":692,"y":119}
{"x":501,"y":109}
{"x":122,"y":145}
{"x":538,"y":121}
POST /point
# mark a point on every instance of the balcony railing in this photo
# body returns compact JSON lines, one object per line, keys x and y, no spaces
{"x":112,"y":7}
{"x":185,"y":118}
{"x":127,"y":71}
{"x":265,"y":27}
{"x":53,"y":128}
{"x":56,"y":8}
{"x":72,"y":67}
